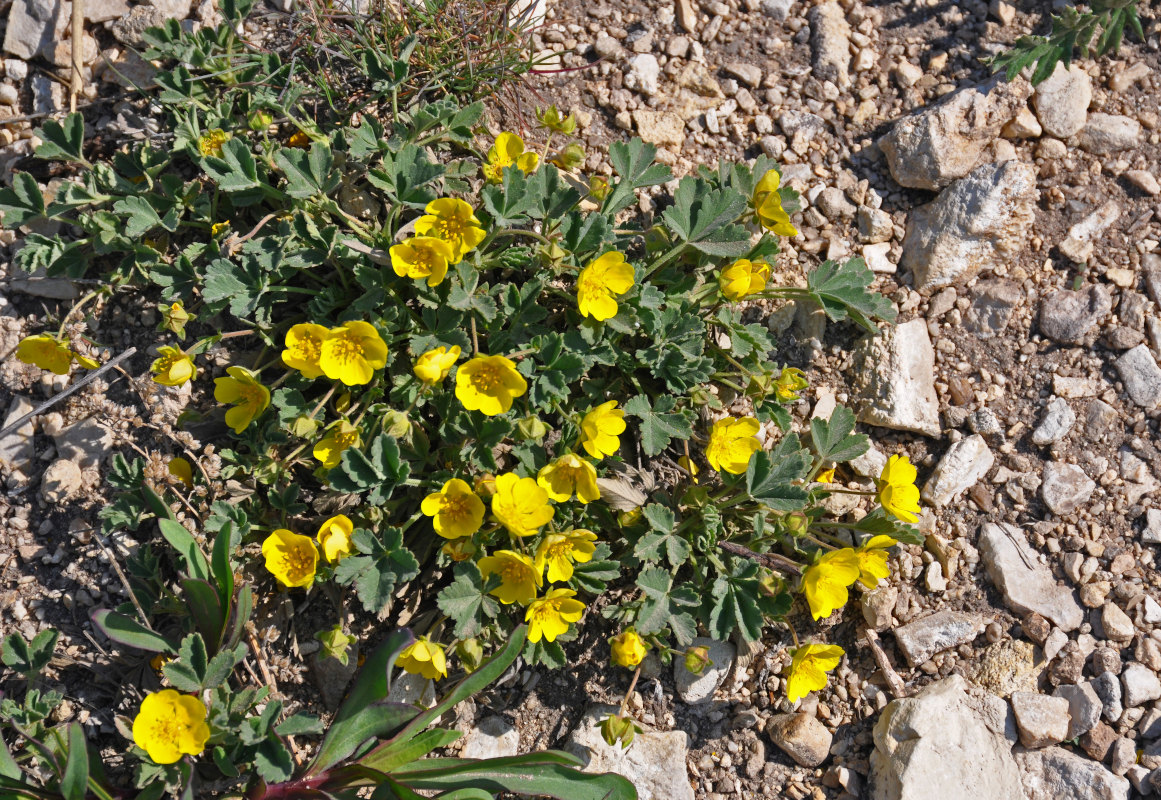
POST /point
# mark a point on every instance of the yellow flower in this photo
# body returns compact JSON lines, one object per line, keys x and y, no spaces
{"x":519,"y":578}
{"x":352,"y":352}
{"x":210,"y":143}
{"x":560,"y":550}
{"x":181,"y":469}
{"x":434,"y":365}
{"x":423,"y":657}
{"x":422,"y":257}
{"x":628,"y":648}
{"x":298,"y":139}
{"x":455,"y":509}
{"x":46,"y":352}
{"x":600,"y":429}
{"x":508,"y":151}
{"x":873,"y":560}
{"x":790,"y":382}
{"x":170,"y":725}
{"x":290,"y":557}
{"x":454,"y":222}
{"x":488,"y":384}
{"x":219,"y":227}
{"x":597,"y":284}
{"x":567,"y":475}
{"x":743,"y":278}
{"x":304,"y":343}
{"x":250,"y":398}
{"x":898,"y":493}
{"x":808,"y":667}
{"x":732,"y":444}
{"x":173,"y":367}
{"x":549,"y":616}
{"x":340,"y":436}
{"x":520,"y":504}
{"x":768,"y":206}
{"x":334,"y":537}
{"x":825,"y":582}
{"x":826,"y":476}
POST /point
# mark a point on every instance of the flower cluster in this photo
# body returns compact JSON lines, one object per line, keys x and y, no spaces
{"x":349,"y":353}
{"x":445,"y":234}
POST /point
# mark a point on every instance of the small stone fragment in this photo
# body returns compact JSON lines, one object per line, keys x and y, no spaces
{"x":1054,"y":773}
{"x":491,"y":737}
{"x":694,"y":688}
{"x":1141,"y":685}
{"x":1061,"y":101}
{"x":830,"y":43}
{"x":1116,"y":623}
{"x":1065,"y":487}
{"x":1067,"y":316}
{"x":923,"y":638}
{"x":1027,"y":585}
{"x":1042,"y":720}
{"x":1058,"y":421}
{"x":1084,"y":708}
{"x":964,"y":463}
{"x":1108,"y":689}
{"x":895,"y":379}
{"x":800,"y":736}
{"x":1141,"y":376}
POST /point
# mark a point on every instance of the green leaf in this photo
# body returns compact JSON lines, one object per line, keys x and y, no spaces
{"x":63,"y":141}
{"x":239,"y":286}
{"x":187,"y":672}
{"x":843,"y":290}
{"x":377,"y":471}
{"x":75,"y":780}
{"x":235,"y":170}
{"x":221,"y":665}
{"x":833,"y":439}
{"x":384,"y":563}
{"x":363,"y":715}
{"x":8,"y":766}
{"x":272,"y":761}
{"x":466,"y":602}
{"x":662,"y":607}
{"x":140,"y":217}
{"x":23,"y":202}
{"x":508,"y":204}
{"x":546,"y":774}
{"x":584,"y":233}
{"x":704,"y":218}
{"x":308,"y":173}
{"x":663,"y":539}
{"x":407,"y":177}
{"x":633,"y":163}
{"x":125,"y":475}
{"x":300,"y":724}
{"x":770,"y":476}
{"x":660,"y":422}
{"x":28,"y":658}
{"x":127,"y":631}
{"x":403,"y":751}
{"x":187,"y":547}
{"x":880,"y":523}
{"x":736,"y":603}
{"x":205,"y":607}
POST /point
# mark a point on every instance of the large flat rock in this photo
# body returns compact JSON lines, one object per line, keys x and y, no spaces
{"x":1027,"y":585}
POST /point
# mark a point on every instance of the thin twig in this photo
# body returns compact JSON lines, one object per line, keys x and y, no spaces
{"x":268,"y":677}
{"x":61,"y":395}
{"x":78,"y":35}
{"x":770,"y":560}
{"x":894,"y":682}
{"x":124,"y":581}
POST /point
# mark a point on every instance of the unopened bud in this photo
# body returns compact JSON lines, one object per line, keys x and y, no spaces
{"x":598,"y":188}
{"x":569,"y":157}
{"x":470,"y":653}
{"x":531,"y":429}
{"x":459,"y":549}
{"x":615,"y":728}
{"x":697,"y":659}
{"x":303,"y":426}
{"x":396,"y":423}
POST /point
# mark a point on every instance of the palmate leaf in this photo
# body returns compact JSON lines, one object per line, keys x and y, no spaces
{"x":308,"y":173}
{"x":382,"y":565}
{"x":23,"y":202}
{"x":843,"y":290}
{"x":64,"y":140}
{"x":663,"y":606}
{"x":377,"y":471}
{"x":663,"y":540}
{"x":466,"y":601}
{"x":236,"y":170}
{"x":594,"y":575}
{"x":834,"y":439}
{"x":661,"y":421}
{"x":737,"y":602}
{"x":771,"y":477}
{"x":633,"y":163}
{"x":705,"y":217}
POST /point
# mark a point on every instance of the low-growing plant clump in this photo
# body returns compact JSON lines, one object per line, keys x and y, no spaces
{"x":467,"y":376}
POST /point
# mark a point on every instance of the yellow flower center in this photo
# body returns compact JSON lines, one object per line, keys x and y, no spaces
{"x":298,"y":563}
{"x":164,"y":729}
{"x":308,"y":348}
{"x":346,"y":349}
{"x":168,"y":361}
{"x":424,"y":259}
{"x":448,"y":228}
{"x":345,"y":440}
{"x":487,"y":378}
{"x":251,"y":395}
{"x":512,"y":573}
{"x":456,"y":506}
{"x":559,"y":550}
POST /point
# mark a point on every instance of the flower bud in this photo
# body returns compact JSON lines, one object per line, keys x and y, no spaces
{"x":552,"y":119}
{"x":627,"y":519}
{"x":459,"y":549}
{"x":598,"y":188}
{"x":656,"y":239}
{"x":771,"y":585}
{"x":531,"y":429}
{"x":615,"y":728}
{"x":342,"y":402}
{"x":485,"y":485}
{"x":552,"y":254}
{"x":304,"y":426}
{"x":569,"y":157}
{"x":697,"y":659}
{"x":260,"y":120}
{"x":627,"y":649}
{"x":789,"y":384}
{"x":796,"y":523}
{"x":470,"y":653}
{"x":174,"y":318}
{"x":396,"y":423}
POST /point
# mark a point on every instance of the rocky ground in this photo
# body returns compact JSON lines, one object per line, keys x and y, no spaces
{"x":1017,"y":654}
